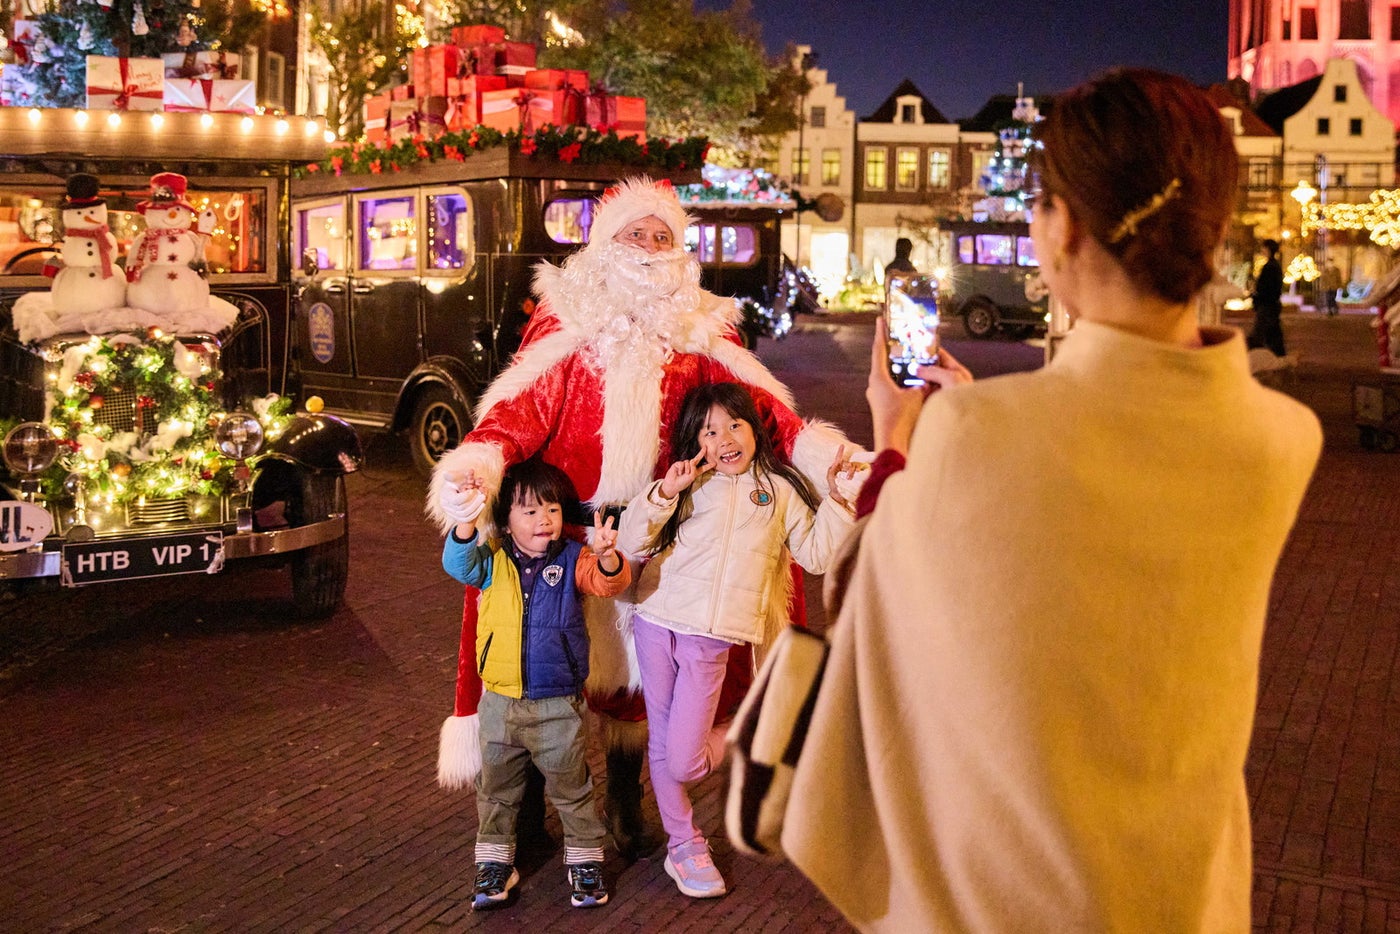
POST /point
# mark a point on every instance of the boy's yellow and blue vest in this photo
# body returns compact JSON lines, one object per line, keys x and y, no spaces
{"x":544,"y":654}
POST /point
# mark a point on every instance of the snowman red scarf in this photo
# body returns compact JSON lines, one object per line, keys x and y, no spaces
{"x":103,"y":236}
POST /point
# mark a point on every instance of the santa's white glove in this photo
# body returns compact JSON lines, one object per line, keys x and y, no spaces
{"x":461,"y":506}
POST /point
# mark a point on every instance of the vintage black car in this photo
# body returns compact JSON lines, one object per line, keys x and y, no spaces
{"x":992,"y":280}
{"x":136,"y":446}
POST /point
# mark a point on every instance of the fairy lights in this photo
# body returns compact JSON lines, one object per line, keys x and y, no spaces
{"x":1379,"y":215}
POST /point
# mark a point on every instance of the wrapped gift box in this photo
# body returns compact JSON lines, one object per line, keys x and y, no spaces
{"x":514,"y":58}
{"x":187,"y":94}
{"x":201,"y":64}
{"x":464,"y":99}
{"x":377,"y":117}
{"x":433,"y":67}
{"x":125,"y":83}
{"x":628,"y":115}
{"x":467,"y":37}
{"x":425,"y":116}
{"x":556,"y":79}
{"x":402,"y":92}
{"x":233,"y":96}
{"x":23,"y":32}
{"x":560,"y":108}
{"x":502,"y":110}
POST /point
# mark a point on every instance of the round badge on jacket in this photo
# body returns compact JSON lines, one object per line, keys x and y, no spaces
{"x":761,"y":497}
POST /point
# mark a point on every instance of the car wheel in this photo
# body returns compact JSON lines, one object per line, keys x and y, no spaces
{"x":981,"y":319}
{"x":319,"y":572}
{"x":440,"y":422}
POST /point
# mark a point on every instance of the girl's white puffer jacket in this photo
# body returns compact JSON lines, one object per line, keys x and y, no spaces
{"x":730,"y":561}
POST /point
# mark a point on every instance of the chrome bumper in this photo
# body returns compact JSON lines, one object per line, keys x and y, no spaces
{"x":49,"y":563}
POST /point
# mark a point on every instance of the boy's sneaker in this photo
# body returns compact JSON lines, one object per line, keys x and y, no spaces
{"x":494,"y":883}
{"x":694,"y":871}
{"x":589,"y":891}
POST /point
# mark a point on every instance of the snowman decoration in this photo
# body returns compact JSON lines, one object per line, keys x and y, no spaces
{"x":87,"y":279}
{"x":160,"y":265}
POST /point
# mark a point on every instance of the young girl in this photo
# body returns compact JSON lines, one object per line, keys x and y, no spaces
{"x":718,"y":528}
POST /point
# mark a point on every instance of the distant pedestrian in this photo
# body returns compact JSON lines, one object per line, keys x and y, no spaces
{"x":902,"y":265}
{"x":1268,"y":302}
{"x":1037,"y":706}
{"x":1330,"y":282}
{"x":532,"y":655}
{"x":718,"y":528}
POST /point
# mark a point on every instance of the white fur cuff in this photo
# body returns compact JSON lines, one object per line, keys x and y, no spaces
{"x":484,"y":460}
{"x":459,"y":753}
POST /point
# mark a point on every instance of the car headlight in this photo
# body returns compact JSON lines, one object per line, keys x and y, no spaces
{"x":239,"y":436}
{"x":30,"y":448}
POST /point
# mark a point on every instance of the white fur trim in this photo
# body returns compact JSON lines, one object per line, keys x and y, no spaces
{"x":612,"y":653}
{"x":484,"y":460}
{"x":814,"y":450}
{"x":631,"y":440}
{"x":459,"y":752}
{"x":633,"y":199}
{"x":528,"y":365}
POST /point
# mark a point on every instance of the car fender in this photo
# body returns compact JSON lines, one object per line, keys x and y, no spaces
{"x":446,"y":371}
{"x":319,"y":442}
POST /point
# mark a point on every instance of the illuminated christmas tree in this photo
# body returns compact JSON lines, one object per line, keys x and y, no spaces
{"x":1007,"y":175}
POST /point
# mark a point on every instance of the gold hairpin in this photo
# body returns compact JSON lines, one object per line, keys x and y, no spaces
{"x":1129,"y":225}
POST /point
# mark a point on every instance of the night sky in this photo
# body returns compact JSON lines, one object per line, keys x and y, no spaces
{"x":962,"y":53}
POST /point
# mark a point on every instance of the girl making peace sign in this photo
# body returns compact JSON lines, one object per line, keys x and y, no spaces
{"x":718,"y":529}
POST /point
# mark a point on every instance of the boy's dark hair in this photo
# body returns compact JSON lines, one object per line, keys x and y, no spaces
{"x":545,"y":483}
{"x":685,"y":444}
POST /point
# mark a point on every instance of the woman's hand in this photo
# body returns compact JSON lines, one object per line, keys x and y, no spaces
{"x":682,"y":474}
{"x":894,"y":410}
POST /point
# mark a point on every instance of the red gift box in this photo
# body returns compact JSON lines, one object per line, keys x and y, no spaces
{"x":125,"y":83}
{"x":433,"y":67}
{"x":475,"y":84}
{"x":464,"y":99}
{"x":627,"y":115}
{"x":377,"y":110}
{"x":503,"y":110}
{"x":514,"y":58}
{"x":402,"y":92}
{"x":541,"y":107}
{"x":468,"y":37}
{"x":557,"y":79}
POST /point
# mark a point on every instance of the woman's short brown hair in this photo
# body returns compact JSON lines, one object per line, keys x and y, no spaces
{"x":1145,"y":160}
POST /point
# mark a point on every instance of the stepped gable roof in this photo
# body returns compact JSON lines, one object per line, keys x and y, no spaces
{"x":1285,"y":102}
{"x":1224,"y":95}
{"x":886,"y":111}
{"x":996,"y":113}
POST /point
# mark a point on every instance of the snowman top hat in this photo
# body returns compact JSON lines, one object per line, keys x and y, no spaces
{"x":81,"y":192}
{"x":167,"y":191}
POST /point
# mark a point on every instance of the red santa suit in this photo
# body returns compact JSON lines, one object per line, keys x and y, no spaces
{"x":596,"y":394}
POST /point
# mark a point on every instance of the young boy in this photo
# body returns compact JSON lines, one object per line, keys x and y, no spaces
{"x":532,"y":653}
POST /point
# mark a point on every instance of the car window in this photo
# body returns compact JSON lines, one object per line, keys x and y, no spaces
{"x":388,"y":237}
{"x":568,"y":220}
{"x":449,"y":231}
{"x":321,"y":227}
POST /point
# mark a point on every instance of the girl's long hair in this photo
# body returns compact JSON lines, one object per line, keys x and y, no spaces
{"x":685,"y":444}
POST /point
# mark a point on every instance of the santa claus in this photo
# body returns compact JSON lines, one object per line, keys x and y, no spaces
{"x":622,"y":332}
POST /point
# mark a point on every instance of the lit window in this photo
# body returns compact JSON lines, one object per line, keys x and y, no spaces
{"x":322,"y":228}
{"x":906,"y":169}
{"x":938,"y":168}
{"x":831,"y":166}
{"x":1025,"y":252}
{"x":876,"y":168}
{"x":388,"y":233}
{"x":801,"y":164}
{"x":995,"y":249}
{"x":568,"y":220}
{"x":449,"y":231}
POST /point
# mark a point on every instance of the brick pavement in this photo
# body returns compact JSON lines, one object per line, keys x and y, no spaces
{"x":194,"y":761}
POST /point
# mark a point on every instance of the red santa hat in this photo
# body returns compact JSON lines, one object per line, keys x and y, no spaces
{"x":633,"y":199}
{"x":167,"y":191}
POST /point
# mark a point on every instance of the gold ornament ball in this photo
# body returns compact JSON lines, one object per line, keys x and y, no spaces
{"x":121,"y":469}
{"x":314,"y":404}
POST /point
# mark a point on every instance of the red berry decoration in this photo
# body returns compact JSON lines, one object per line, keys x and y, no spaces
{"x":95,"y":401}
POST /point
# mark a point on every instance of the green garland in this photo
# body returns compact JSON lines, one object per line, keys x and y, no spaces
{"x":174,"y":455}
{"x":568,"y":144}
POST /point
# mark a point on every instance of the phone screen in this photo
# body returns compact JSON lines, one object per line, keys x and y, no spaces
{"x":911,"y":319}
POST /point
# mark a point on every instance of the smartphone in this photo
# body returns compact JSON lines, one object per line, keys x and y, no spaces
{"x":614,"y":513}
{"x":911,"y":321}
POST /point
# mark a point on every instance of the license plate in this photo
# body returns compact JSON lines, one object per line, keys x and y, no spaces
{"x":97,"y":561}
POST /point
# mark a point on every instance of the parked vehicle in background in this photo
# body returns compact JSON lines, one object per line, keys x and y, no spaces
{"x":993,"y":279}
{"x":136,"y":450}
